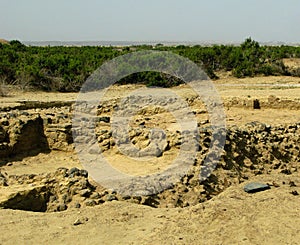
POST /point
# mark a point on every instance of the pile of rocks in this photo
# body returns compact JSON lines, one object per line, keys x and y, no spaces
{"x":251,"y":150}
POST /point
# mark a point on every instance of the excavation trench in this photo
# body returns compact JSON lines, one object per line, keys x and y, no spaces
{"x":250,"y":150}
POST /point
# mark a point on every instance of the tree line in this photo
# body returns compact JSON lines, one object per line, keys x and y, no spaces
{"x":65,"y":69}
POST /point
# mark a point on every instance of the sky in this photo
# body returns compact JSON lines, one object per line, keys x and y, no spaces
{"x":151,"y":20}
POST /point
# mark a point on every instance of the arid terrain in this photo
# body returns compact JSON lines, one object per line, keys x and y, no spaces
{"x":46,"y":196}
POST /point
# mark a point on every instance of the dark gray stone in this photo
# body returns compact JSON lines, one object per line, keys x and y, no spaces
{"x":84,"y":173}
{"x":255,"y":187}
{"x":104,"y":119}
{"x":73,"y":172}
{"x":295,"y":193}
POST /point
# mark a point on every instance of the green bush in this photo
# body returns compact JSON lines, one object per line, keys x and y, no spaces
{"x":66,"y":68}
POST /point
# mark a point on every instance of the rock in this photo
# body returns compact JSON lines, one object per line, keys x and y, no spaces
{"x":151,"y":201}
{"x":5,"y":123}
{"x":95,"y":195}
{"x":3,"y":181}
{"x":295,"y":193}
{"x":255,"y":187}
{"x":126,"y":197}
{"x":62,"y":171}
{"x":83,"y":184}
{"x":62,"y":207}
{"x":27,"y":135}
{"x":111,"y":197}
{"x":66,"y":198}
{"x":272,"y":99}
{"x":2,"y":134}
{"x":275,"y":184}
{"x":47,"y":192}
{"x":85,"y":193}
{"x":286,"y":171}
{"x":256,"y":104}
{"x":77,"y":222}
{"x":90,"y":203}
{"x":84,"y":173}
{"x":52,"y":199}
{"x":80,"y":221}
{"x":104,"y":119}
{"x":28,"y":198}
{"x":73,"y":172}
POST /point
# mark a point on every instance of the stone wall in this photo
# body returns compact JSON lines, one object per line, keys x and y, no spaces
{"x":272,"y":102}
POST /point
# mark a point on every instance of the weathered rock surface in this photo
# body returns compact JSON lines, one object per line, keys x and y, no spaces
{"x":255,"y":187}
{"x":21,"y":134}
{"x":49,"y":192}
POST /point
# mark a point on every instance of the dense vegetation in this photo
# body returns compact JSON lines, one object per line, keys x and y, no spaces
{"x":66,"y":68}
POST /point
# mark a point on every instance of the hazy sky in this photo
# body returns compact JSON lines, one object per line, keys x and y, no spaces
{"x":150,"y":20}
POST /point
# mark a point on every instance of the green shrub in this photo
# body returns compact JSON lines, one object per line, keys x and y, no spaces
{"x":66,"y":68}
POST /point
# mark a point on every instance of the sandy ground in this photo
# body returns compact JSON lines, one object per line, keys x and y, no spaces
{"x":227,"y":87}
{"x":233,"y":217}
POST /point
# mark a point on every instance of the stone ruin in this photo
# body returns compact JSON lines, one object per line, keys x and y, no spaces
{"x":250,"y":150}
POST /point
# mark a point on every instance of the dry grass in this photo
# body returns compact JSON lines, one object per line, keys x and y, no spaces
{"x":4,"y":90}
{"x":292,"y":62}
{"x":3,"y":86}
{"x":2,"y":94}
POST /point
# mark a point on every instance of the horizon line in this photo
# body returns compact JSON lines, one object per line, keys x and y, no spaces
{"x":148,"y":42}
